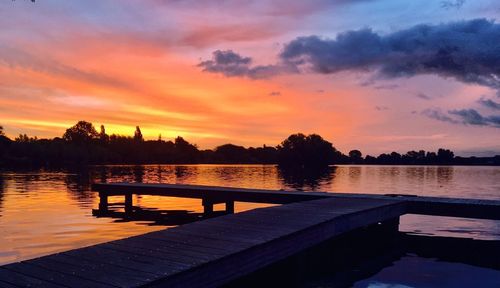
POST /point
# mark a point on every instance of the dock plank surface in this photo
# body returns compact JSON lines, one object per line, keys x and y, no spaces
{"x":206,"y":253}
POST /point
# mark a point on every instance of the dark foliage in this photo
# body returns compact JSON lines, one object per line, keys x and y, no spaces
{"x":305,"y":151}
{"x":82,"y":145}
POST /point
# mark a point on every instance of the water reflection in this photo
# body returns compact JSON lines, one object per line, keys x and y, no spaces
{"x":444,"y":174}
{"x":307,"y":179}
{"x":153,"y":216}
{"x":138,"y":172}
{"x":182,"y":172}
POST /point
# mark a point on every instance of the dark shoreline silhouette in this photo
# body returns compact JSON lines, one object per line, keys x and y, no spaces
{"x":83,"y":145}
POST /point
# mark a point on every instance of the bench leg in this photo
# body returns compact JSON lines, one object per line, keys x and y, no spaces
{"x":230,"y":207}
{"x":208,"y":207}
{"x":128,"y":203}
{"x":391,"y":225}
{"x":103,"y":202}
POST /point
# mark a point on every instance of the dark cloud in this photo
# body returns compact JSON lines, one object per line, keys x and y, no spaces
{"x":232,"y":64}
{"x":387,"y":87}
{"x":423,"y":96}
{"x":489,"y":103}
{"x":437,"y":114}
{"x":275,"y":93}
{"x":470,"y":116}
{"x":381,"y":108}
{"x":468,"y":51}
{"x":463,"y":116}
{"x":457,"y":4}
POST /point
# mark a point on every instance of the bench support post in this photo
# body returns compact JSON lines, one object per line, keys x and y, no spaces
{"x":128,"y":203}
{"x":208,"y":207}
{"x":230,"y":207}
{"x":103,"y":202}
{"x":390,"y":225}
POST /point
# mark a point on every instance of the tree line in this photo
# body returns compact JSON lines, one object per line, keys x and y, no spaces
{"x":82,"y":144}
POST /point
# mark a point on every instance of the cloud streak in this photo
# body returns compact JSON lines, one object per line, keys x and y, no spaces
{"x":457,"y":4}
{"x":489,"y":103}
{"x":463,"y":116}
{"x":231,"y":64}
{"x":18,"y":59}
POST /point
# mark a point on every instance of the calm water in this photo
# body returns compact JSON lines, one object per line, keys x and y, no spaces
{"x":42,"y":212}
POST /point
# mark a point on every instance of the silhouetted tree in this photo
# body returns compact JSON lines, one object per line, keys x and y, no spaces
{"x":414,"y":157}
{"x":82,"y":132}
{"x":23,"y":138}
{"x":4,"y":144}
{"x":138,"y":134}
{"x":305,"y":151}
{"x":103,"y":137}
{"x":370,"y":159}
{"x":395,"y":158}
{"x":185,"y":152}
{"x":445,"y":156}
{"x":264,"y":154}
{"x":355,"y":156}
{"x":229,"y":153}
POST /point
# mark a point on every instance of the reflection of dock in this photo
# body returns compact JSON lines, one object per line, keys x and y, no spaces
{"x":215,"y":251}
{"x":153,"y":216}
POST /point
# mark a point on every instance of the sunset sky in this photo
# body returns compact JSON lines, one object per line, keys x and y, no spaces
{"x":379,"y":76}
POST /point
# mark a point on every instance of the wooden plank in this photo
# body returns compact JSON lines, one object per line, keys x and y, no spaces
{"x":56,"y":277}
{"x":6,"y":285}
{"x":479,"y":209}
{"x":140,"y":263}
{"x":186,"y":251}
{"x":103,"y":273}
{"x":21,"y":280}
{"x":440,"y":206}
{"x":218,"y":238}
{"x":176,"y":241}
{"x":218,"y":244}
{"x":182,"y":259}
{"x":225,"y":233}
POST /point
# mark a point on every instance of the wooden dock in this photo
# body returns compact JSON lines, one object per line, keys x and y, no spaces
{"x":215,"y":251}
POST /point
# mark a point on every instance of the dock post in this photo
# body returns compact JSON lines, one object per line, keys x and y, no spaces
{"x":208,"y":207}
{"x":128,"y":202}
{"x":103,"y":202}
{"x":230,"y":207}
{"x":391,"y":225}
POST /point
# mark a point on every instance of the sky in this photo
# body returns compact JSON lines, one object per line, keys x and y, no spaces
{"x":373,"y":75}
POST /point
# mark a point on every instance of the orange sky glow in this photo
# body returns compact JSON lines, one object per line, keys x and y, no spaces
{"x":137,"y":64}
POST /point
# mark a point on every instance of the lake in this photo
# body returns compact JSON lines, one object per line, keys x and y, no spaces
{"x":47,"y":211}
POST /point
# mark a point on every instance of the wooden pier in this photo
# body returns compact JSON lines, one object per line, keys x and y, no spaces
{"x":215,"y":251}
